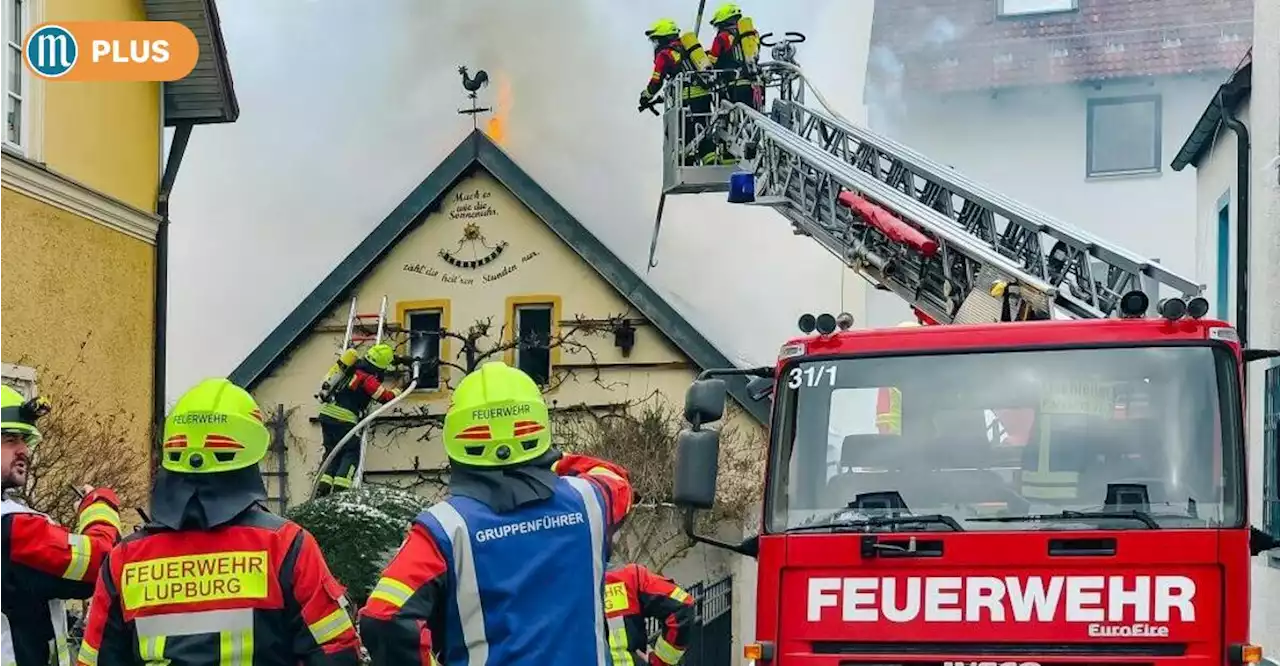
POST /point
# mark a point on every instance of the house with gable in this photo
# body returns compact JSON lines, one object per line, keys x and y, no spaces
{"x":479,"y":241}
{"x":1072,"y":107}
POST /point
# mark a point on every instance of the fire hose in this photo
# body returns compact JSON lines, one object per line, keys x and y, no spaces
{"x":359,"y":427}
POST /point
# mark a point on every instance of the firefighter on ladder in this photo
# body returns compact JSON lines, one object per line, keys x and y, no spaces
{"x":674,"y":55}
{"x":44,"y":562}
{"x":632,"y":595}
{"x":736,"y":52}
{"x":510,"y":567}
{"x":356,"y":383}
{"x":215,"y":577}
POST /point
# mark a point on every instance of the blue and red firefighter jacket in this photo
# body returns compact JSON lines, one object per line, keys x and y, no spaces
{"x":45,"y":563}
{"x":632,"y":594}
{"x":252,"y":592}
{"x":472,"y":586}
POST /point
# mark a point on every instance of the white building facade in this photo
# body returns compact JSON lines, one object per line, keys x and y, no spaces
{"x":1251,"y":96}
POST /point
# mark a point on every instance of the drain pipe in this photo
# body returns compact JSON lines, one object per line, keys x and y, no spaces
{"x":177,"y":148}
{"x":1242,"y":218}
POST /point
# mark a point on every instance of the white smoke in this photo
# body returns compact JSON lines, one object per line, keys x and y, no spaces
{"x":347,"y":106}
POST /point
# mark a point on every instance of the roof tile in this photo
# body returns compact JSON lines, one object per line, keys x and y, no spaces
{"x":953,"y":45}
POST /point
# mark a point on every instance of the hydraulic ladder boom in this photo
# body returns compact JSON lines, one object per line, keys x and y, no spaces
{"x":948,"y":246}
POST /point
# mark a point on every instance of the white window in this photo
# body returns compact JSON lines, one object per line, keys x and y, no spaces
{"x":15,"y":74}
{"x":19,"y":377}
{"x":1123,"y":135}
{"x":1027,"y":7}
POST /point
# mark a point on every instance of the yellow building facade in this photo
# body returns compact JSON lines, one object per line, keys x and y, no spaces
{"x":480,"y":241}
{"x":81,"y":213}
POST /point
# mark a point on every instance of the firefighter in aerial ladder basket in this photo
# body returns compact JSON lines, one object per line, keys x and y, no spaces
{"x":215,"y":578}
{"x":350,"y":387}
{"x":44,"y":562}
{"x":735,"y":52}
{"x":674,"y":54}
{"x":509,"y":568}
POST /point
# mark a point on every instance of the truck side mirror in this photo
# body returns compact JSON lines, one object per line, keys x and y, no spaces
{"x":697,"y":456}
{"x":1251,"y":355}
{"x":1260,"y":542}
{"x":760,"y":388}
{"x":704,"y":401}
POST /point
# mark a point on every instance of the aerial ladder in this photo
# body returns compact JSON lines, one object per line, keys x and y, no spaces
{"x":955,"y":250}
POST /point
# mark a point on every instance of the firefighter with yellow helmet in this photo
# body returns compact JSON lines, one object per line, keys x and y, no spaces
{"x":215,"y":577}
{"x":355,"y":383}
{"x":44,"y":562}
{"x":735,"y":51}
{"x":674,"y":54}
{"x":510,"y":567}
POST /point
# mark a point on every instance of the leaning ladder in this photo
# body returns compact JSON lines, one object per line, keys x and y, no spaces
{"x":357,"y":332}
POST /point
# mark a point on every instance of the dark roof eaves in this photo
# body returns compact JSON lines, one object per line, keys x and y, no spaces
{"x":1232,"y":93}
{"x":421,"y":201}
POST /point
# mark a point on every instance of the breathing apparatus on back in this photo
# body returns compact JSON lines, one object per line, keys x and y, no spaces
{"x":339,"y":373}
{"x":746,"y":40}
{"x":377,"y":359}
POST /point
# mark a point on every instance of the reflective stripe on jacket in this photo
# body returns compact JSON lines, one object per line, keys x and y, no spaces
{"x":45,"y":563}
{"x":632,"y":594}
{"x":254,"y":592}
{"x":520,"y":577}
{"x":471,"y":586}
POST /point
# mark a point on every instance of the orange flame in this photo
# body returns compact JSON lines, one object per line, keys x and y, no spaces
{"x":496,"y":128}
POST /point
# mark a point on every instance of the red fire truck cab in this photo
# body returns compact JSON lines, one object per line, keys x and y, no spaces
{"x":1032,"y":493}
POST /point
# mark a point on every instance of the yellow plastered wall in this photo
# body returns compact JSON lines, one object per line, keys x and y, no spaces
{"x":105,"y":135}
{"x":534,"y":267}
{"x":75,"y":289}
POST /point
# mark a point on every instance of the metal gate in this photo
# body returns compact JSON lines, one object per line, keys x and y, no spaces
{"x":711,"y":643}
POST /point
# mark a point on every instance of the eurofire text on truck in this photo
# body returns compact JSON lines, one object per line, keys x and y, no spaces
{"x":1049,"y":470}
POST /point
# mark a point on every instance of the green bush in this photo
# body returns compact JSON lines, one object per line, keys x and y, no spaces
{"x":359,"y":532}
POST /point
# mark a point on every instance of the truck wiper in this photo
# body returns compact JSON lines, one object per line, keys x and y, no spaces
{"x":863,"y":524}
{"x":1141,"y":516}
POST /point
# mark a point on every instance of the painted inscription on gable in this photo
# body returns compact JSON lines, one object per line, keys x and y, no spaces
{"x":472,"y":205}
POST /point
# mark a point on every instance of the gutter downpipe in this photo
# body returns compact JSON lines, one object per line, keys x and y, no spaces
{"x":1242,"y":218}
{"x":181,"y":135}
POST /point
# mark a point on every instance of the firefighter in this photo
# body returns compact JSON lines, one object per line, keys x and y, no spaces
{"x":889,"y":410}
{"x":44,"y":562}
{"x":735,"y":51}
{"x":632,"y":595}
{"x":673,"y":56}
{"x":361,"y":385}
{"x":215,"y":578}
{"x":510,"y":567}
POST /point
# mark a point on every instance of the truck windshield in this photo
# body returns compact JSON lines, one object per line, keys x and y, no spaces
{"x":1043,"y":440}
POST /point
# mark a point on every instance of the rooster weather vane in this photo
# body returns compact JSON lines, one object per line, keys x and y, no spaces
{"x":473,"y":84}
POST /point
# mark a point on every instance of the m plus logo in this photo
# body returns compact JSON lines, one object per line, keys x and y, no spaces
{"x":111,"y":51}
{"x":51,"y":51}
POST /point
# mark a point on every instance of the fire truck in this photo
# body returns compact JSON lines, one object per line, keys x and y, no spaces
{"x":1049,"y":470}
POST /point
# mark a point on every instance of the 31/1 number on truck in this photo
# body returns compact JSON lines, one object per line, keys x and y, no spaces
{"x":812,"y":376}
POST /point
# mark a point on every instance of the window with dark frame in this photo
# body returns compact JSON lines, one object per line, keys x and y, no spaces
{"x":533,"y":327}
{"x":1271,"y":456}
{"x":424,"y":343}
{"x":1034,"y":7}
{"x":1123,"y":135}
{"x":1271,"y":450}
